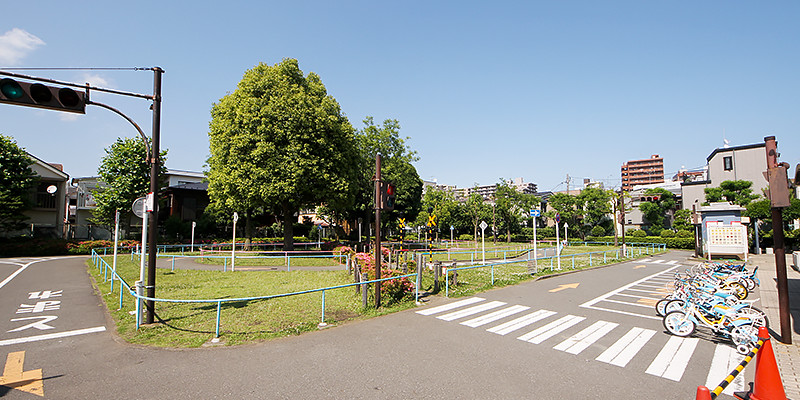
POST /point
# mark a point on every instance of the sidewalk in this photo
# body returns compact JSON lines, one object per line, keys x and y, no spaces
{"x":788,"y":356}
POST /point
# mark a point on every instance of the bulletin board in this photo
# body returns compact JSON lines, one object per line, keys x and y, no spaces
{"x":727,"y":240}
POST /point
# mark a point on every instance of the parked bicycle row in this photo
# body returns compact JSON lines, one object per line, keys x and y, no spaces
{"x":714,"y":296}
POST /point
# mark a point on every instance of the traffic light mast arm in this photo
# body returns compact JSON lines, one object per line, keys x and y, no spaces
{"x":144,"y":137}
{"x":75,"y":85}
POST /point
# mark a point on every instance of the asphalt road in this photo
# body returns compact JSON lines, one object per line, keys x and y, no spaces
{"x":425,"y":353}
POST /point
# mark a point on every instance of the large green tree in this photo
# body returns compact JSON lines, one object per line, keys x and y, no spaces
{"x":126,"y":173}
{"x":566,"y":206}
{"x":279,"y":143}
{"x":596,"y":205}
{"x":476,"y":210}
{"x":396,"y":167}
{"x":16,"y":182}
{"x":737,"y":192}
{"x":655,"y":212}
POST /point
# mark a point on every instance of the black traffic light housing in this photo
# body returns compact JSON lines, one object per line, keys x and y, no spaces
{"x":38,"y":95}
{"x":388,"y":195}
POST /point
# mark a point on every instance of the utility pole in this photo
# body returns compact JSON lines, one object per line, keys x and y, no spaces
{"x":155,"y":168}
{"x":779,"y":198}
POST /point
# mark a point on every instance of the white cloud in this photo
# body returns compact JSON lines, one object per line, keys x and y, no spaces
{"x":96,"y":81}
{"x":68,"y":117}
{"x":16,"y":44}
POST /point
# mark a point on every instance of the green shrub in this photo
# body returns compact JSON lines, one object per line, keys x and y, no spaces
{"x":638,"y":233}
{"x":465,"y":236}
{"x":683,"y":233}
{"x":666,"y":233}
{"x":597,"y":231}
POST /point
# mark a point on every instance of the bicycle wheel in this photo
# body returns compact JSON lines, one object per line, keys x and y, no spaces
{"x":759,"y":317}
{"x":661,"y":306}
{"x":744,"y":337}
{"x":674,"y":305}
{"x":679,"y":324}
{"x":737,"y":289}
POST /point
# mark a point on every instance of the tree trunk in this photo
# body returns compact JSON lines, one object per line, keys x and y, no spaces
{"x":288,"y":229}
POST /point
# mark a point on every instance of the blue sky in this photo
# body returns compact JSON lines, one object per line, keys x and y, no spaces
{"x":484,"y":90}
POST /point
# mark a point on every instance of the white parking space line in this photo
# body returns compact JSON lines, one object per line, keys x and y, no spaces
{"x":591,"y":304}
{"x":472,"y":310}
{"x":726,"y":358}
{"x":546,"y":332}
{"x":673,"y":358}
{"x":521,"y":322}
{"x":48,"y":336}
{"x":500,"y":314}
{"x":451,"y":306}
{"x":624,"y":349}
{"x":586,"y":337}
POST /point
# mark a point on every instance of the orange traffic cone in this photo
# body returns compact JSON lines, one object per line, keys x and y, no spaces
{"x":767,"y":385}
{"x":703,"y":393}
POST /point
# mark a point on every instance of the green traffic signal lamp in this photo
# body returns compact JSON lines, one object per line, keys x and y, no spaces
{"x":11,"y":89}
{"x":41,"y":96}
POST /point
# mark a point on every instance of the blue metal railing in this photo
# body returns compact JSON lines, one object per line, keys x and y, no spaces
{"x":99,"y":262}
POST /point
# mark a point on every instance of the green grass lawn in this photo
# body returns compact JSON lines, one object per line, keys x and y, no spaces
{"x":194,"y":324}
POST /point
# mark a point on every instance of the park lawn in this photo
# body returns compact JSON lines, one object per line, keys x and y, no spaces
{"x":194,"y":324}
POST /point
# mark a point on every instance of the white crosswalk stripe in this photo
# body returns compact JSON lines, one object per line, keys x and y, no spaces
{"x":725,"y":360}
{"x":586,"y":337}
{"x":451,"y":306}
{"x":500,"y":314}
{"x":546,"y":332}
{"x":670,"y":363}
{"x":672,"y":360}
{"x":471,"y":311}
{"x":621,"y":352}
{"x":521,"y":322}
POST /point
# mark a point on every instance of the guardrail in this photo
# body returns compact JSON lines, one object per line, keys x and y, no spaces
{"x":629,"y":252}
{"x":99,"y":262}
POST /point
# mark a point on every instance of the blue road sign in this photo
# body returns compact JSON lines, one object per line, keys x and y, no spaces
{"x":536,"y":213}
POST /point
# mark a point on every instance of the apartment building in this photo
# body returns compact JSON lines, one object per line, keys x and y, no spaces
{"x":642,"y":172}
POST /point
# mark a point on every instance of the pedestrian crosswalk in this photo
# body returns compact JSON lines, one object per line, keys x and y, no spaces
{"x":574,"y":334}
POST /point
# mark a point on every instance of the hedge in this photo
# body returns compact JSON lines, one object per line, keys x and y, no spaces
{"x":672,"y":243}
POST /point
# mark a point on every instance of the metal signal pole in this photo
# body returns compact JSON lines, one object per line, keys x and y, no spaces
{"x":378,"y":206}
{"x":155,"y":165}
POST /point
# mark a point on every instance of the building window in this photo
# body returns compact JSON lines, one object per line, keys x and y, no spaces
{"x":45,"y":196}
{"x":727,"y":163}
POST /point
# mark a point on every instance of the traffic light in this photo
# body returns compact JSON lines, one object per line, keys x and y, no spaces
{"x":41,"y":96}
{"x":388,"y":195}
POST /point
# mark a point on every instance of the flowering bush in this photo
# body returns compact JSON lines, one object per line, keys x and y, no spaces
{"x":395,"y":289}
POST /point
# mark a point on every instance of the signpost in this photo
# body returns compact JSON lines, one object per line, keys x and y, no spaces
{"x":535,"y":214}
{"x":484,"y":225}
{"x":139,"y":211}
{"x":194,"y":224}
{"x":558,"y":242}
{"x":233,"y":248}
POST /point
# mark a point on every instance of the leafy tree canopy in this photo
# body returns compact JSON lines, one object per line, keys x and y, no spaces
{"x":126,"y":172}
{"x":655,"y":212}
{"x":396,"y":168}
{"x":280,"y":143}
{"x":596,"y":205}
{"x":16,"y":182}
{"x":737,"y":192}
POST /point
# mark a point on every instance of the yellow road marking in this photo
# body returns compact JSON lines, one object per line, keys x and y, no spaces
{"x":649,"y":302}
{"x":15,"y":378}
{"x":640,"y":266}
{"x":562,"y":287}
